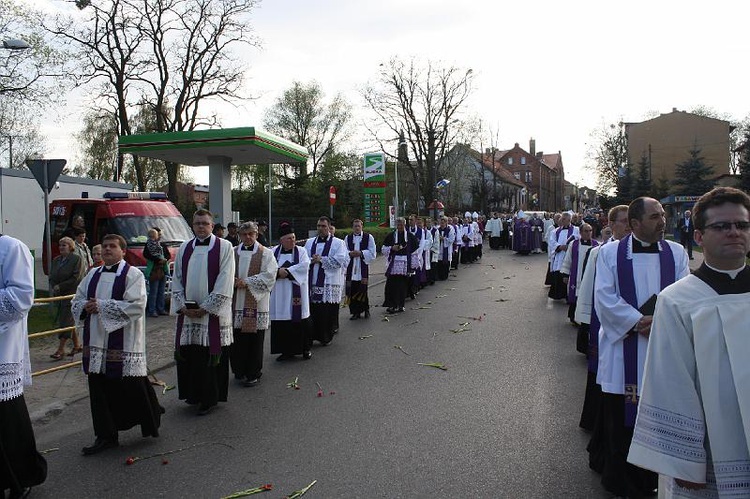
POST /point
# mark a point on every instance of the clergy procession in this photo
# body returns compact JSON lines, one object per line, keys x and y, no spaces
{"x":665,"y":398}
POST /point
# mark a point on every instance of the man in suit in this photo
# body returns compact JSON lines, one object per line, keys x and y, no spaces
{"x":686,"y":233}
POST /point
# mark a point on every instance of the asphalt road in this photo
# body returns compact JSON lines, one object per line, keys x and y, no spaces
{"x":502,"y":421}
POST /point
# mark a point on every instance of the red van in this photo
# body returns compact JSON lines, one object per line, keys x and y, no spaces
{"x":129,"y":214}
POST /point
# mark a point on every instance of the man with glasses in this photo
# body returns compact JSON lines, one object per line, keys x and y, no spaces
{"x":629,"y":276}
{"x":693,"y":424}
{"x":202,"y":289}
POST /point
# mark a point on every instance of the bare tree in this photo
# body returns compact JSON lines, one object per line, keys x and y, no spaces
{"x":609,"y":151}
{"x":425,"y":103}
{"x":301,"y":115}
{"x":171,"y":55}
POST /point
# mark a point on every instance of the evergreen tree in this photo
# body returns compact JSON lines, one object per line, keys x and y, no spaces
{"x":642,"y":185}
{"x":744,"y":165}
{"x":693,"y":176}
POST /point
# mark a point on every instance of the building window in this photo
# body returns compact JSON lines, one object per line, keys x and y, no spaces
{"x":528,"y":176}
{"x":523,"y":160}
{"x":517,"y":175}
{"x":510,"y":161}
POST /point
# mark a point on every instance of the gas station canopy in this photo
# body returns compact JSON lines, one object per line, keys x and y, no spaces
{"x":243,"y":146}
{"x":218,"y":149}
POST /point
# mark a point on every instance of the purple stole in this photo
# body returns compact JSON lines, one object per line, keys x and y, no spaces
{"x":214,"y":257}
{"x":392,"y":257}
{"x":575,"y":248}
{"x":316,"y":292}
{"x":296,"y":291}
{"x":446,"y":231}
{"x":626,"y":282}
{"x":116,"y":340}
{"x":364,"y":268}
{"x":557,"y":233}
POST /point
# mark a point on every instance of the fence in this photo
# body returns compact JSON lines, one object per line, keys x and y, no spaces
{"x":38,"y":302}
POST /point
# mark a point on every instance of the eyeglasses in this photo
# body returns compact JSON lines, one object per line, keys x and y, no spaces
{"x":742,"y":226}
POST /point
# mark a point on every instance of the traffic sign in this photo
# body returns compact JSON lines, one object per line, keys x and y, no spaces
{"x":52,"y":167}
{"x":332,"y":195}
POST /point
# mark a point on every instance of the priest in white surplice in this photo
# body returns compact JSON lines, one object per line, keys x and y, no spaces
{"x":558,"y":242}
{"x":362,"y":253}
{"x":21,"y":465}
{"x":572,"y":267}
{"x":202,"y":287}
{"x":255,"y":277}
{"x":290,"y":298}
{"x":629,"y":275}
{"x":693,"y":425}
{"x":110,"y":308}
{"x":446,"y":235}
{"x":495,"y":228}
{"x":328,"y":256}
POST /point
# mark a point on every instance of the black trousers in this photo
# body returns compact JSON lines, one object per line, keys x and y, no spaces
{"x":687,"y":241}
{"x":197,"y":381}
{"x":246,"y":354}
{"x":21,"y":465}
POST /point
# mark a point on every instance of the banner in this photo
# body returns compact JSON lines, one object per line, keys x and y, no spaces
{"x":374,"y":189}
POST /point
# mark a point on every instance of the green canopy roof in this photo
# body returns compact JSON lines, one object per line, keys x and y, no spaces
{"x":244,"y":146}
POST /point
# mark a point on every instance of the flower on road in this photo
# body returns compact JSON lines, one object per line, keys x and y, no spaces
{"x":433,"y":364}
{"x":249,"y":492}
{"x":300,"y":492}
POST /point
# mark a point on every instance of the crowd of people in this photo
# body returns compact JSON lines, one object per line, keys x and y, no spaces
{"x":666,"y":383}
{"x":666,"y":398}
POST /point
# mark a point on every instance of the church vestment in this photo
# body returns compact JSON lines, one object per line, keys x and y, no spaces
{"x":416,"y":279}
{"x":400,"y":266}
{"x":204,"y":274}
{"x":114,"y":351}
{"x":446,"y":239}
{"x":572,"y":266}
{"x":628,"y":274}
{"x":693,"y":419}
{"x":21,"y":465}
{"x":358,"y":271}
{"x":256,"y":267}
{"x":522,"y":236}
{"x":290,"y":303}
{"x":562,"y":236}
{"x":326,"y":282}
{"x":495,"y":228}
{"x":537,"y":234}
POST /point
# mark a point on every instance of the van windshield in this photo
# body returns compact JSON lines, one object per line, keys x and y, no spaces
{"x":135,"y":229}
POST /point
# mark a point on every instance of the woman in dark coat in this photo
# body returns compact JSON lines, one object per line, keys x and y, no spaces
{"x":64,"y":277}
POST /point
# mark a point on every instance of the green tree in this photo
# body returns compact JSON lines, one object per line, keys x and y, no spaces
{"x":642,"y":185}
{"x":693,"y":176}
{"x":301,"y":115}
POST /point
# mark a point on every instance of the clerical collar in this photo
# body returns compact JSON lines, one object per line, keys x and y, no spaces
{"x":643,"y":247}
{"x":111,"y":268}
{"x":586,"y":243}
{"x":204,"y":242}
{"x":730,"y":273}
{"x":322,"y":239}
{"x":245,"y":247}
{"x":722,"y":281}
{"x":287,"y":252}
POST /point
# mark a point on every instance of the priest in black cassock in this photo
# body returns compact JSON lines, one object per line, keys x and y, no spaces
{"x":110,"y":307}
{"x":401,"y":251}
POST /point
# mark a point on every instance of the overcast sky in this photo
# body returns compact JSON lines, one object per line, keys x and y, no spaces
{"x":547,"y":69}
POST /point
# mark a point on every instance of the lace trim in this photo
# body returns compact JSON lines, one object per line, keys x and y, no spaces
{"x":8,"y":311}
{"x":261,"y":320}
{"x":178,"y":300}
{"x":11,"y":380}
{"x":197,"y":334}
{"x":331,"y":293}
{"x":330,"y":262}
{"x":111,"y":315}
{"x":133,"y":363}
{"x":400,"y":266}
{"x":256,"y":285}
{"x":76,"y":308}
{"x":669,"y":433}
{"x":217,"y":304}
{"x":732,"y":478}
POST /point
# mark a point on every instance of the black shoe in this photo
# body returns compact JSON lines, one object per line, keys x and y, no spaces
{"x":205,"y":409}
{"x":354,"y":317}
{"x":390,"y":310}
{"x":283,"y":357}
{"x":99,"y":445}
{"x":399,"y":310}
{"x":367,"y":314}
{"x":307,"y":355}
{"x":251,"y":382}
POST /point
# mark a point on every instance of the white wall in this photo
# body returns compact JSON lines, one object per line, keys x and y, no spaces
{"x":22,"y":202}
